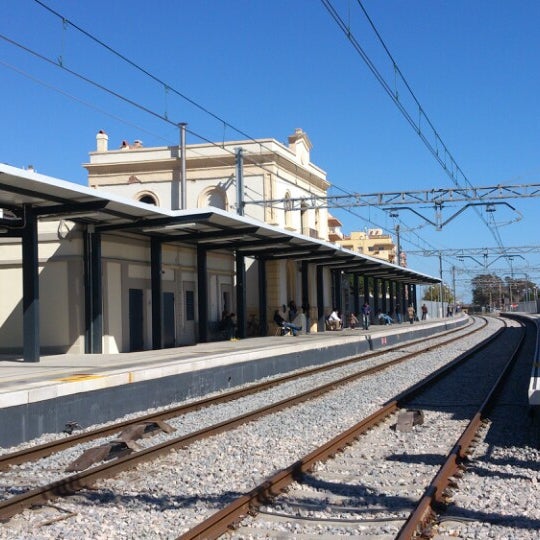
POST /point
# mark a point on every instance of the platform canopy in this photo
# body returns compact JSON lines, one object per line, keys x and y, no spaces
{"x":25,"y":191}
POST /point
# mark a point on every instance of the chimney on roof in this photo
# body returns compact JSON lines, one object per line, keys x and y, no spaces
{"x":102,"y":141}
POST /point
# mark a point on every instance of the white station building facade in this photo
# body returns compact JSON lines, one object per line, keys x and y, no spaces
{"x":165,"y":239}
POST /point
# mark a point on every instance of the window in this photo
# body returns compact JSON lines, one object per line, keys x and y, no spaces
{"x":190,"y":306}
{"x":148,"y":199}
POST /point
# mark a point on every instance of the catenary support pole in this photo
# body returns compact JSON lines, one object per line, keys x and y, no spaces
{"x":183,"y":179}
{"x":239,"y":181}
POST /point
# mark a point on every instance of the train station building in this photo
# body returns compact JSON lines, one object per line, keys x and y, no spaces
{"x":165,"y":239}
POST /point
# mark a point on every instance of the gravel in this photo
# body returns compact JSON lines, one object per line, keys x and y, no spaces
{"x":164,"y":498}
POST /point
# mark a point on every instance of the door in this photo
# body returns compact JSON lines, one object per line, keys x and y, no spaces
{"x":187,"y":324}
{"x":169,"y":334}
{"x":136,"y":320}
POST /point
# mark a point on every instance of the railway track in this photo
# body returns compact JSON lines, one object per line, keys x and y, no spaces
{"x":324,"y":495}
{"x":40,"y":451}
{"x":87,"y":478}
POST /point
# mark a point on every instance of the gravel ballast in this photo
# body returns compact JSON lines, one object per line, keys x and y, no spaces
{"x":163,"y":498}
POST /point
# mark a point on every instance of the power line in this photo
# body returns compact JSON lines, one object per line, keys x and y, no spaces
{"x":168,"y":87}
{"x":78,"y":100}
{"x":137,"y":105}
{"x":393,"y":94}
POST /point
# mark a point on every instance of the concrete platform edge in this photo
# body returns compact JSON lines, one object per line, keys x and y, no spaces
{"x":151,"y":387}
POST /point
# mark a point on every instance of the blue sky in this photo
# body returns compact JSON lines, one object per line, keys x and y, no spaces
{"x":270,"y":67}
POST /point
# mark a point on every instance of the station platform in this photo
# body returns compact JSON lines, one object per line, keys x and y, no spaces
{"x":42,"y":397}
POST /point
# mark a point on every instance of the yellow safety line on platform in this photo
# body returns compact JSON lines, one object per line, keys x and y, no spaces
{"x":79,"y":377}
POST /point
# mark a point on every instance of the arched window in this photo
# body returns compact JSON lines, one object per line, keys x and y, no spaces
{"x":148,"y":198}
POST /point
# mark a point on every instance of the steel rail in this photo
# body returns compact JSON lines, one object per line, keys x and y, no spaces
{"x":220,"y":522}
{"x":46,"y":449}
{"x":87,"y":478}
{"x":417,"y":522}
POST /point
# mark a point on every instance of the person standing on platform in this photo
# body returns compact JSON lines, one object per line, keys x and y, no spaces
{"x":366,"y":312}
{"x":353,"y":321}
{"x":230,"y":327}
{"x":398,"y":314}
{"x":411,"y":313}
{"x":424,"y":312}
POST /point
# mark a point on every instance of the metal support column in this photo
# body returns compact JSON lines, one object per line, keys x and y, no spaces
{"x":320,"y":299}
{"x":202,"y":293}
{"x":376,"y":304}
{"x":384,"y":287}
{"x":392,"y":292}
{"x":305,"y":293}
{"x":366,"y":290}
{"x":31,"y":329}
{"x":356,"y":293}
{"x":157,"y":296}
{"x":409,"y":295}
{"x":263,"y":305}
{"x":93,"y":291}
{"x":241,"y":295}
{"x":413,"y":295}
{"x":336,"y":289}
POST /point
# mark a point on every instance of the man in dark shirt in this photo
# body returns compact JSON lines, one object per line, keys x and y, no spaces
{"x":280,"y":321}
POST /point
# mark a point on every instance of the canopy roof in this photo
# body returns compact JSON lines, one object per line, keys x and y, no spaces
{"x":211,"y":228}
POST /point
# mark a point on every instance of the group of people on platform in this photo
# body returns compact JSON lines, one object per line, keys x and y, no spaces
{"x":291,"y":320}
{"x":334,"y":320}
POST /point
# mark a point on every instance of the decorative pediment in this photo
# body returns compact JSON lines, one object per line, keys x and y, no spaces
{"x":300,"y":144}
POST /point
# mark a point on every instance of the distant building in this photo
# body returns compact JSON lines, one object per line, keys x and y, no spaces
{"x":372,"y":242}
{"x":334,"y":229}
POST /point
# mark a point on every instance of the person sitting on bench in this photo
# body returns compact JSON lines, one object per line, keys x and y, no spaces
{"x":281,"y":322}
{"x":334,"y":320}
{"x":385,"y":319}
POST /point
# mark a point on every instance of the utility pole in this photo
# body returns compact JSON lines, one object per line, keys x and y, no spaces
{"x":183,"y":183}
{"x":398,"y":246}
{"x":454,"y":283}
{"x":239,"y":181}
{"x":441,"y":284}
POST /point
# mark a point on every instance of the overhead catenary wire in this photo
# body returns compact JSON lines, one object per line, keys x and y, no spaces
{"x":393,"y":96}
{"x":149,"y":111}
{"x":80,"y":101}
{"x":139,"y":106}
{"x":161,"y":82}
{"x":226,"y":124}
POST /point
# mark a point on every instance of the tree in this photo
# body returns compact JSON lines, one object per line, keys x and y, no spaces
{"x":519,"y":290}
{"x":433,"y":291}
{"x":487,"y":290}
